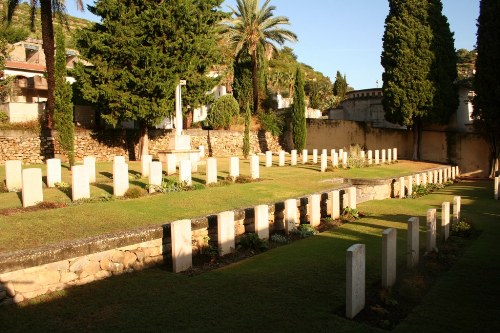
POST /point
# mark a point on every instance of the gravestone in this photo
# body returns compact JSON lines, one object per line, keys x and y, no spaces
{"x":332,"y":152}
{"x":335,"y":160}
{"x":417,"y":179}
{"x":53,"y":171}
{"x":355,"y":280}
{"x":377,"y":161}
{"x":291,"y":219}
{"x":453,"y":176}
{"x":440,"y":176}
{"x":211,"y":171}
{"x":202,"y":151}
{"x":345,"y":160}
{"x":456,"y":208}
{"x":185,"y":172}
{"x":145,"y":162}
{"x":269,"y":159}
{"x":445,"y":219}
{"x":412,"y":242}
{"x":234,"y":167}
{"x":170,"y":164}
{"x":80,"y":182}
{"x":495,"y":190}
{"x":315,"y":156}
{"x":324,"y":162}
{"x":429,"y":177}
{"x":314,"y":209}
{"x":281,"y":158}
{"x":457,"y":171}
{"x":389,"y":155}
{"x":254,"y":167}
{"x":194,"y":165}
{"x":119,"y":160}
{"x":383,"y":156}
{"x":155,"y":175}
{"x":120,"y":178}
{"x":293,"y":157}
{"x":89,"y":162}
{"x":389,"y":237}
{"x":225,"y":232}
{"x":341,"y":155}
{"x":435,"y":177}
{"x":13,"y":175}
{"x":370,"y":157}
{"x":304,"y":156}
{"x":335,"y":204}
{"x":401,"y":187}
{"x":324,"y":152}
{"x":182,"y":250}
{"x":395,"y":154}
{"x":362,"y":155}
{"x":424,"y":179}
{"x":261,"y":221}
{"x":431,"y":230}
{"x":32,"y":187}
{"x":445,"y":175}
{"x":351,"y":194}
{"x":410,"y":186}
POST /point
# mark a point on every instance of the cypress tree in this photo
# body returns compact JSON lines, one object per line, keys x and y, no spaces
{"x":299,"y":127}
{"x":63,"y":110}
{"x":246,"y":135}
{"x":486,"y":81}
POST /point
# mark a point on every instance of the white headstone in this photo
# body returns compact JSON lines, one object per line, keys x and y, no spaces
{"x":315,"y":156}
{"x":53,"y":171}
{"x":341,"y":155}
{"x":225,"y":232}
{"x":424,"y":179}
{"x":495,"y":190}
{"x":293,"y":157}
{"x":118,"y":159}
{"x":182,"y":250}
{"x":457,"y":171}
{"x":202,"y":151}
{"x":155,"y":175}
{"x":445,"y":219}
{"x":417,"y":179}
{"x":412,"y":245}
{"x":13,"y":175}
{"x":211,"y":170}
{"x":234,"y":167}
{"x":324,"y":162}
{"x":32,"y":190}
{"x":255,"y":166}
{"x":431,"y":230}
{"x":335,"y":204}
{"x":453,"y":176}
{"x":429,"y":177}
{"x":389,"y":237}
{"x":170,"y":164}
{"x":401,"y":187}
{"x":440,"y":176}
{"x":80,"y":182}
{"x":291,"y":219}
{"x":351,"y":194}
{"x":185,"y":172}
{"x":335,"y":160}
{"x":395,"y":154}
{"x":145,"y":162}
{"x":120,"y":179}
{"x":355,"y":280}
{"x":377,"y":161}
{"x":261,"y":221}
{"x":269,"y":159}
{"x":281,"y":158}
{"x":362,"y":156}
{"x":332,"y":153}
{"x":410,"y":186}
{"x":435,"y":177}
{"x":370,"y":157}
{"x":456,"y":208}
{"x":89,"y":162}
{"x":314,"y":209}
{"x":324,"y":151}
{"x":345,"y":160}
{"x":383,"y":156}
{"x":389,"y":155}
{"x":304,"y":156}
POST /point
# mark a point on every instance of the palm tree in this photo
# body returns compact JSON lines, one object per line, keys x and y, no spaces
{"x":47,"y":10}
{"x":253,"y":31}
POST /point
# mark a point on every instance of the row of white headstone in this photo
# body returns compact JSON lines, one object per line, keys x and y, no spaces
{"x":181,"y":235}
{"x":438,"y":176}
{"x":355,"y":254}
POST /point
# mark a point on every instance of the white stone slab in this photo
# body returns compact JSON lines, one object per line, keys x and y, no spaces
{"x":332,"y":153}
{"x":335,"y":160}
{"x":424,"y":179}
{"x":281,"y":158}
{"x":362,"y":155}
{"x":431,"y":230}
{"x":410,"y":186}
{"x":395,"y":154}
{"x":457,"y":171}
{"x":345,"y":160}
{"x":202,"y":151}
{"x":334,"y":197}
{"x":234,"y":167}
{"x":417,"y":179}
{"x":145,"y":162}
{"x":377,"y":159}
{"x":291,"y":219}
{"x":351,"y":194}
{"x":155,"y":174}
{"x":435,"y":177}
{"x":370,"y":157}
{"x":13,"y":175}
{"x":255,"y":166}
{"x":324,"y":162}
{"x":324,"y":151}
{"x":430,"y":177}
{"x":440,"y":176}
{"x":355,"y":280}
{"x":170,"y":164}
{"x":53,"y":171}
{"x":269,"y":159}
{"x":389,"y":237}
{"x":119,"y":159}
{"x":402,"y":187}
{"x":314,"y":209}
{"x":120,"y":179}
{"x":185,"y":172}
{"x":261,"y":221}
{"x":225,"y":232}
{"x":182,"y":250}
{"x":453,"y":175}
{"x":80,"y":182}
{"x":304,"y":156}
{"x":32,"y":187}
{"x":341,"y":155}
{"x":412,"y":242}
{"x":495,"y":188}
{"x":383,"y":156}
{"x":211,"y":170}
{"x":315,"y":156}
{"x":89,"y":162}
{"x":445,"y":219}
{"x":457,"y":202}
{"x":389,"y":155}
{"x":293,"y":157}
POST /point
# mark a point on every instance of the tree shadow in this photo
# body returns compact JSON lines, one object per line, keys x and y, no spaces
{"x":261,"y":137}
{"x":107,"y":174}
{"x":106,"y":187}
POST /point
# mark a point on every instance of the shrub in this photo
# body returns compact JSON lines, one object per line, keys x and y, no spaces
{"x":134,"y":192}
{"x":252,"y":241}
{"x":354,"y":159}
{"x":271,"y":122}
{"x":3,"y":117}
{"x":305,"y":230}
{"x":222,"y":111}
{"x":280,"y":239}
{"x":350,"y":214}
{"x":461,"y":228}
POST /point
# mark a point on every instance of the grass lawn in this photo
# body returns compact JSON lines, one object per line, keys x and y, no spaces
{"x":30,"y":229}
{"x":293,"y":288}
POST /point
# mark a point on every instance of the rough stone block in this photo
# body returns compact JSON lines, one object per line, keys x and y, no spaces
{"x":445,"y":219}
{"x":32,"y":190}
{"x":412,"y":245}
{"x":281,"y":158}
{"x":431,"y":230}
{"x":155,"y":174}
{"x":225,"y":232}
{"x":53,"y":171}
{"x":314,"y":209}
{"x":355,"y":280}
{"x":261,"y":221}
{"x":185,"y":172}
{"x":211,"y":170}
{"x":182,"y":250}
{"x":80,"y":184}
{"x":170,"y":164}
{"x":234,"y":167}
{"x":269,"y":159}
{"x":254,"y":167}
{"x":89,"y":162}
{"x":291,"y":219}
{"x":120,"y":178}
{"x":13,"y":175}
{"x":145,"y":162}
{"x":389,"y":237}
{"x":293,"y":157}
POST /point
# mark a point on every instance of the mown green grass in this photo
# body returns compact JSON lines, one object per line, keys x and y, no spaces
{"x":299,"y":287}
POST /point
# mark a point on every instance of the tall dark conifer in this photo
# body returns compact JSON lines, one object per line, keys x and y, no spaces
{"x":299,"y":128}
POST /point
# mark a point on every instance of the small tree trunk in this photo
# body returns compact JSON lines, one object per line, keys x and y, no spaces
{"x":143,"y":141}
{"x":48,"y":49}
{"x":417,"y":137}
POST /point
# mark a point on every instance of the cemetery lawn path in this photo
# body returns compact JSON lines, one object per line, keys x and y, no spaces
{"x":298,"y":287}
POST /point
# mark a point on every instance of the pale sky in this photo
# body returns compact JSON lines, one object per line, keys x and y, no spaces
{"x":346,"y":35}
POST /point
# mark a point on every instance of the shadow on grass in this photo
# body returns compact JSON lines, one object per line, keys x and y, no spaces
{"x":105,"y":187}
{"x":107,"y":174}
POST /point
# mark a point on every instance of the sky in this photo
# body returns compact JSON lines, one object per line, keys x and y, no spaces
{"x":346,"y":35}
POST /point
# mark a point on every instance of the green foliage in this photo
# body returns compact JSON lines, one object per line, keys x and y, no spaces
{"x":139,"y":52}
{"x":271,"y":122}
{"x":242,"y":83}
{"x":305,"y":230}
{"x":63,"y":111}
{"x":350,"y":214}
{"x":3,"y":117}
{"x":466,"y":63}
{"x":252,"y":241}
{"x":461,"y":228}
{"x":299,"y":128}
{"x":277,"y":238}
{"x":169,"y":186}
{"x":134,"y":192}
{"x":5,"y":83}
{"x":340,"y":86}
{"x":13,"y":34}
{"x":486,"y":83}
{"x":222,"y":111}
{"x":246,"y":135}
{"x":354,"y":159}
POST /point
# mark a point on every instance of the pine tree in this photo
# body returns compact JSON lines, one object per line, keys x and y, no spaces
{"x":299,"y":127}
{"x":63,"y":110}
{"x":486,"y":82}
{"x":340,"y":86}
{"x":246,"y":135}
